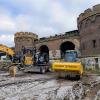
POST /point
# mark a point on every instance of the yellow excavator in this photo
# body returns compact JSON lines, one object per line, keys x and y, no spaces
{"x":33,"y":62}
{"x":4,"y":50}
{"x":7,"y":50}
{"x":28,"y":60}
{"x":70,"y":67}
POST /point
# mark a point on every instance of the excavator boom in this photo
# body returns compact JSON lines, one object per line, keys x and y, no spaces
{"x":6,"y":50}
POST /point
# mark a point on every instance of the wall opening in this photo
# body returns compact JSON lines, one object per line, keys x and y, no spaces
{"x":94,"y":43}
{"x":66,"y":46}
{"x":44,"y":50}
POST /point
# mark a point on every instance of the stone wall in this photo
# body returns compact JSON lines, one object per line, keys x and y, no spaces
{"x":54,"y":42}
{"x":89,"y":29}
{"x":25,"y":39}
{"x":91,"y":62}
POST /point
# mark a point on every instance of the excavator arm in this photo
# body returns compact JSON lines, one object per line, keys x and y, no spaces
{"x":7,"y":50}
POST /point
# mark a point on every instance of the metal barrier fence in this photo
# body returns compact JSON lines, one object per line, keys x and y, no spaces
{"x":91,"y":63}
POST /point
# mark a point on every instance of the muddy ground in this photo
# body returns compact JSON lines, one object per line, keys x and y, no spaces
{"x":35,"y":86}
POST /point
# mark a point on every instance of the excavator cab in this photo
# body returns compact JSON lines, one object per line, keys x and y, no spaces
{"x":27,"y":56}
{"x":34,"y":62}
{"x":15,"y":59}
{"x":71,"y":56}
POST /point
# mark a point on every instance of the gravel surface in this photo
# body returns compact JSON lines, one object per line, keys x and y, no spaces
{"x":35,"y":86}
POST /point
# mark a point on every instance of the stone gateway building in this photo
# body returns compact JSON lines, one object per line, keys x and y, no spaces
{"x":55,"y":46}
{"x":85,"y":40}
{"x":26,"y":39}
{"x":89,"y":29}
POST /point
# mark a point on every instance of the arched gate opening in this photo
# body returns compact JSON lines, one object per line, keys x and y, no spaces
{"x":66,"y":46}
{"x":44,"y":51}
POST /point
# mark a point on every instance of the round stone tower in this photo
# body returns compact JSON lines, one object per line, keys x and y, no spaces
{"x":89,"y":29}
{"x":25,"y":39}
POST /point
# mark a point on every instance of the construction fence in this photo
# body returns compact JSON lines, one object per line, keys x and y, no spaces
{"x":92,"y":63}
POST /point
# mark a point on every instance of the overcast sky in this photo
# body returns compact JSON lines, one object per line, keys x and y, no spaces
{"x":44,"y":17}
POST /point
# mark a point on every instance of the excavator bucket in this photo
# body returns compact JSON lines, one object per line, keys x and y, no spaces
{"x":12,"y":71}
